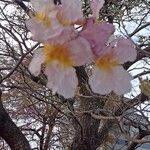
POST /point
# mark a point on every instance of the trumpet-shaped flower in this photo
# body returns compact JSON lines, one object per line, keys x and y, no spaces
{"x":69,"y":10}
{"x":108,"y":74}
{"x":97,"y":34}
{"x":96,"y":5}
{"x":54,"y":23}
{"x":59,"y":60}
{"x":44,"y":27}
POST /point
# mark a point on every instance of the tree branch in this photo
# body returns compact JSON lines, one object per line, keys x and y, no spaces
{"x":10,"y":132}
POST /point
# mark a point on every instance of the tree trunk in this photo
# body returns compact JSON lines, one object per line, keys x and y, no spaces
{"x":10,"y":132}
{"x":87,"y":140}
{"x":86,"y":136}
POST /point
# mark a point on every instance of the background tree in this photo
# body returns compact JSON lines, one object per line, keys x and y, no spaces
{"x":31,"y":117}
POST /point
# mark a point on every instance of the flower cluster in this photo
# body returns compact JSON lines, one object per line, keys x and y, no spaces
{"x":65,"y":47}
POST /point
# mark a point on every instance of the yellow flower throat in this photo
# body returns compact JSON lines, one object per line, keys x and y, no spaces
{"x":42,"y":17}
{"x":57,"y":52}
{"x":107,"y":62}
{"x":46,"y":20}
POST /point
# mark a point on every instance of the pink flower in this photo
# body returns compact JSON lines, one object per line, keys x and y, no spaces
{"x":59,"y":60}
{"x":108,"y":73}
{"x":54,"y":23}
{"x":96,"y":5}
{"x":97,"y":34}
{"x":44,"y":26}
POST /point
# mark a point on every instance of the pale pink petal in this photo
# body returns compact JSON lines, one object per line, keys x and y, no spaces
{"x":71,"y":9}
{"x":125,"y":50}
{"x":121,"y":80}
{"x":54,"y":76}
{"x":101,"y":82}
{"x":61,"y":80}
{"x":69,"y":83}
{"x":121,"y":50}
{"x":37,"y":60}
{"x":117,"y":80}
{"x":65,"y":35}
{"x":39,"y":5}
{"x":41,"y":33}
{"x":96,"y":5}
{"x":97,"y":34}
{"x":80,"y":51}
